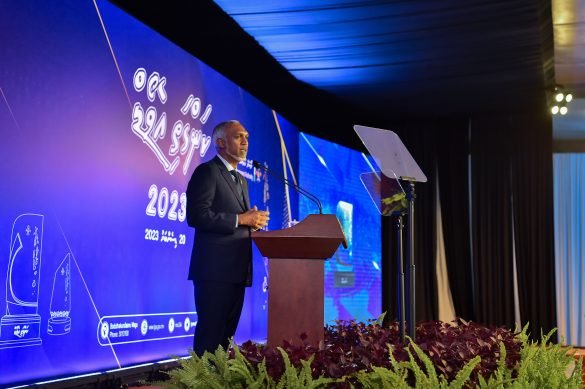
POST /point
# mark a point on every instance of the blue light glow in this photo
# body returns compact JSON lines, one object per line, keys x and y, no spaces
{"x":331,"y":43}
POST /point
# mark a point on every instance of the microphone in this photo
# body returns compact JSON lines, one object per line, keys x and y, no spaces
{"x":302,"y":191}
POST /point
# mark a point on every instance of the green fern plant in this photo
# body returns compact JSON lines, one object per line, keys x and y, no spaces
{"x":397,"y":377}
{"x":219,"y":371}
{"x":547,"y":365}
{"x":502,"y":377}
{"x":430,"y":379}
{"x":216,"y":370}
{"x":198,"y":372}
{"x":542,"y":365}
{"x":294,"y":378}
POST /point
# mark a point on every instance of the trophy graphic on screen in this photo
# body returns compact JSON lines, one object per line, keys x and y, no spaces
{"x":345,"y":216}
{"x":21,"y":324}
{"x":344,"y":273}
{"x":60,"y":322}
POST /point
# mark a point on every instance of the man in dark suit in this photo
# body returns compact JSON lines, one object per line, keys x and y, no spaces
{"x":221,"y":262}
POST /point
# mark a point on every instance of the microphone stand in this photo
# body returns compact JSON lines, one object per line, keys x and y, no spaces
{"x":302,"y":191}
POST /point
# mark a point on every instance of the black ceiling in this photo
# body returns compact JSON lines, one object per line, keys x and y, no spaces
{"x":462,"y":58}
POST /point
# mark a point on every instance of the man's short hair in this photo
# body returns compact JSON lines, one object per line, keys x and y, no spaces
{"x":219,"y":130}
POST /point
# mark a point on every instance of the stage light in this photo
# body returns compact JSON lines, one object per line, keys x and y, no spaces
{"x":561,"y":99}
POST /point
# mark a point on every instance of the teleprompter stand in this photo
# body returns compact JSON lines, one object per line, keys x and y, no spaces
{"x":392,"y":190}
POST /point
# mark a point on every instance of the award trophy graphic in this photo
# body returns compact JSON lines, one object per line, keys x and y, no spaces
{"x":344,"y":276}
{"x":60,"y":322}
{"x":21,"y":324}
{"x":345,"y":215}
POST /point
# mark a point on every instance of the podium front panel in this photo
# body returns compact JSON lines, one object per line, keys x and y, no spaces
{"x":295,"y":301}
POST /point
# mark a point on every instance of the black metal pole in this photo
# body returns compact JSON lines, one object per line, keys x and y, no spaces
{"x":410,"y":273}
{"x":400,"y":286}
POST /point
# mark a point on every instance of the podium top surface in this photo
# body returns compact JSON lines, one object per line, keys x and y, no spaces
{"x":316,"y":237}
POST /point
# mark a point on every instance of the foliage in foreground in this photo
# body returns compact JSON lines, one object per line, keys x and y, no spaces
{"x":445,"y":355}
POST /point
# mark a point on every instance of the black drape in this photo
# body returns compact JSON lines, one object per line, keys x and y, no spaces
{"x":491,"y":199}
{"x":502,"y":166}
{"x":532,"y":185}
{"x":389,"y":270}
{"x":453,"y":169}
{"x":422,"y":146}
{"x":443,"y":144}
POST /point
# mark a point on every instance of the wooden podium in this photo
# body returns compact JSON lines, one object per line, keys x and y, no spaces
{"x":295,"y":279}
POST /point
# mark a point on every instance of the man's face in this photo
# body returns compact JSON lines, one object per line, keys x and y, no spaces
{"x":234,"y":143}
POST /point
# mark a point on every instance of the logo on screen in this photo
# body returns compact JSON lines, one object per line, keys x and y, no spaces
{"x":151,"y":126}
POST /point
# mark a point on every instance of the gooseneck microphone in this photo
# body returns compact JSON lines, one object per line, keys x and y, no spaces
{"x":302,"y":191}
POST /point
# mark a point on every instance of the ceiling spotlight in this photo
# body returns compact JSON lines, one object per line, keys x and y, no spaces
{"x":561,"y":99}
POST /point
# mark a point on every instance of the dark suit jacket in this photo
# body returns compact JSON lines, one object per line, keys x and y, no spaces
{"x":221,"y":251}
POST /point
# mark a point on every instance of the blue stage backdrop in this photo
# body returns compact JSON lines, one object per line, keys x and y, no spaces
{"x":352,"y":276}
{"x":102,"y":123}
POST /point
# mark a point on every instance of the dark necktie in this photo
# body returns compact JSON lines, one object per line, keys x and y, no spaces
{"x":238,"y":184}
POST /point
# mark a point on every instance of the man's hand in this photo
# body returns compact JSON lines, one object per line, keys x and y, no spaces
{"x":254,"y":218}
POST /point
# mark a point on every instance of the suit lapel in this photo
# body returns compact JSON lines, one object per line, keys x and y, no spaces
{"x":245,"y":189}
{"x":230,"y":181}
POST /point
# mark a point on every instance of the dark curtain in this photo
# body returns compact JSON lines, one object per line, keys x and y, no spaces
{"x":512,"y":204}
{"x":422,"y":146}
{"x":439,"y":147}
{"x":389,"y":270}
{"x":511,"y":198}
{"x":533,"y":221}
{"x":453,"y":163}
{"x":491,"y":199}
